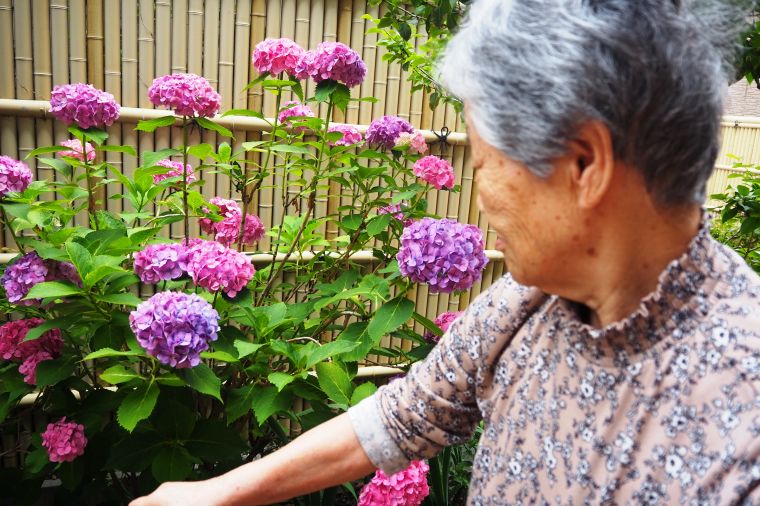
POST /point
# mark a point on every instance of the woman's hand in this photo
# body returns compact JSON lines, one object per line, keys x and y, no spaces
{"x":191,"y":493}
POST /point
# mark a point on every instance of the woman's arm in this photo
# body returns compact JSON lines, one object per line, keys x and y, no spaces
{"x":327,"y":455}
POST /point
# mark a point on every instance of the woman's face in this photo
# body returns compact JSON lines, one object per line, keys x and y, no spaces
{"x":536,"y":220}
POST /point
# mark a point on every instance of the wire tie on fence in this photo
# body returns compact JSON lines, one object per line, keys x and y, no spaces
{"x":443,"y":137}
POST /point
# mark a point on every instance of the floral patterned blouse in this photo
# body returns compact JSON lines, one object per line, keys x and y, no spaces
{"x":660,"y":408}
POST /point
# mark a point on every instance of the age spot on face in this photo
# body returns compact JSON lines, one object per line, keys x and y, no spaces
{"x":591,"y":252}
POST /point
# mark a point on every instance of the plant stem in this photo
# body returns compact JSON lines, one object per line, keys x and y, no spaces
{"x":7,"y":225}
{"x":91,"y":211}
{"x":185,"y":207}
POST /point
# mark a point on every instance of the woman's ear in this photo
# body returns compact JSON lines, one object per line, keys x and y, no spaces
{"x":592,"y":163}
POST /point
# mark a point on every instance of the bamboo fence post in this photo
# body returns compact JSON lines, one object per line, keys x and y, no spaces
{"x":95,"y":67}
{"x":77,"y":41}
{"x":178,"y":28}
{"x":226,"y":76}
{"x":242,"y":66}
{"x":129,"y":82}
{"x":113,"y":83}
{"x":59,"y":59}
{"x":256,"y":100}
{"x":146,"y":64}
{"x":43,"y":81}
{"x":211,"y":23}
{"x":195,"y":29}
{"x":352,"y":29}
{"x":162,"y":41}
{"x":8,"y":140}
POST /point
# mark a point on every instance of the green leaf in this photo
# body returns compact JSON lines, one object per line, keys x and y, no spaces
{"x":356,"y":333}
{"x":45,"y":150}
{"x":173,"y":463}
{"x":214,"y":127}
{"x":95,"y":135}
{"x":280,"y":379}
{"x":325,"y":90}
{"x":221,"y":356}
{"x":52,"y":289}
{"x":351,"y":222}
{"x":37,"y":331}
{"x":51,"y":372}
{"x":404,"y":30}
{"x":245,"y":348}
{"x":341,"y":97}
{"x":173,"y":418}
{"x":428,"y":324}
{"x":389,"y":317}
{"x":80,"y":257}
{"x":124,"y":299}
{"x":129,"y":150}
{"x":334,"y":382}
{"x":213,"y":441}
{"x":239,"y":402}
{"x":135,"y":452}
{"x":329,"y":350}
{"x":118,"y":374}
{"x":149,"y":158}
{"x":378,"y":224}
{"x":110,"y":352}
{"x":362,"y":392}
{"x":244,"y":112}
{"x":268,"y":401}
{"x":202,"y":379}
{"x":138,"y":405}
{"x":150,"y":125}
{"x":288,"y":148}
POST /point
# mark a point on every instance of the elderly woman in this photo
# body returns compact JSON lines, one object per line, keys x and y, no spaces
{"x":619,"y":360}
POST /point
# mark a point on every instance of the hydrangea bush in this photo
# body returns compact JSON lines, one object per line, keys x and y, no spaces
{"x":176,"y":359}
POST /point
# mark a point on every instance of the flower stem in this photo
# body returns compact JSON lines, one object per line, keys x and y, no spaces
{"x":7,"y":225}
{"x":91,"y":211}
{"x":185,"y":207}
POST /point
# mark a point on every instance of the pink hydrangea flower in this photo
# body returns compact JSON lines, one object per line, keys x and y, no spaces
{"x":84,"y":105}
{"x":30,"y":270}
{"x":444,"y":321}
{"x":227,"y":231}
{"x":294,"y":109}
{"x":436,"y":171}
{"x":75,"y":150}
{"x":414,"y":141}
{"x":160,"y":262}
{"x":175,"y":170}
{"x":334,"y":61}
{"x":64,"y":441}
{"x":445,"y":254}
{"x":276,"y":55}
{"x":405,"y":488}
{"x":214,"y":267}
{"x":29,"y":353}
{"x":15,"y":176}
{"x":385,"y":131}
{"x":186,"y":94}
{"x":351,"y":135}
{"x":397,"y":211}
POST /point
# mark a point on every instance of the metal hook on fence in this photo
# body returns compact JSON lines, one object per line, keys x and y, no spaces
{"x":443,"y":138}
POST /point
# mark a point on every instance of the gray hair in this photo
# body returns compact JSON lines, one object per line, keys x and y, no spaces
{"x":654,"y":72}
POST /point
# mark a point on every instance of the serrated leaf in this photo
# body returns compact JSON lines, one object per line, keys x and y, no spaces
{"x":110,"y":352}
{"x":37,"y":331}
{"x":213,"y":441}
{"x":45,"y":150}
{"x":214,"y":127}
{"x":118,"y":374}
{"x":428,"y":324}
{"x":334,"y":382}
{"x":268,"y":401}
{"x":129,"y":150}
{"x":245,"y":348}
{"x":149,"y":158}
{"x":138,"y":405}
{"x":52,"y":289}
{"x":288,"y":148}
{"x":356,"y":333}
{"x":51,"y":372}
{"x":389,"y":317}
{"x":150,"y":125}
{"x":329,"y":350}
{"x":378,"y":224}
{"x":280,"y":379}
{"x":239,"y":402}
{"x":244,"y":112}
{"x":172,"y":463}
{"x":324,"y":90}
{"x":202,"y":379}
{"x":222,"y":356}
{"x":124,"y":299}
{"x":362,"y":392}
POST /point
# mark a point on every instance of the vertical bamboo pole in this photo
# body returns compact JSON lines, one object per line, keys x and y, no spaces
{"x":8,"y":129}
{"x":43,"y":81}
{"x":162,"y":41}
{"x":369,"y":54}
{"x":212,"y":12}
{"x":275,"y":14}
{"x":113,"y":83}
{"x":146,"y":49}
{"x":351,"y":31}
{"x":178,"y":25}
{"x":195,"y":38}
{"x":129,"y":84}
{"x":77,"y":41}
{"x":255,"y":102}
{"x":226,"y":75}
{"x":337,"y":27}
{"x":59,"y":57}
{"x":95,"y":62}
{"x":242,"y":68}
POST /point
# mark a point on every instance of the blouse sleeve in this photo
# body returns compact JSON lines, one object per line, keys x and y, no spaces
{"x":436,"y":403}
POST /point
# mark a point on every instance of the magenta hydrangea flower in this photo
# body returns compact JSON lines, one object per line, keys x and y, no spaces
{"x":436,"y":171}
{"x":29,"y":353}
{"x":351,"y":135}
{"x":175,"y":170}
{"x":84,"y":105}
{"x":214,"y":267}
{"x":332,"y":60}
{"x":445,"y":254}
{"x":405,"y":488}
{"x":160,"y":262}
{"x":75,"y":150}
{"x":276,"y":55}
{"x":386,"y":131}
{"x":64,"y":441}
{"x":186,"y":94}
{"x":15,"y":176}
{"x":175,"y":327}
{"x":293,"y":109}
{"x":29,"y":270}
{"x":413,"y":141}
{"x":397,"y":211}
{"x":444,"y":321}
{"x":227,"y":231}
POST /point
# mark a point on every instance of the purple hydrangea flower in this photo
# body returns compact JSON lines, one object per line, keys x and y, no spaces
{"x":175,"y":327}
{"x":186,"y":94}
{"x":276,"y":55}
{"x":397,"y":211}
{"x":160,"y":262}
{"x":334,"y":61}
{"x":175,"y":170}
{"x":30,"y":270}
{"x":64,"y":441}
{"x":84,"y":105}
{"x":386,"y":131}
{"x":293,"y":109}
{"x":351,"y":135}
{"x":214,"y":267}
{"x":227,"y":231}
{"x":15,"y":176}
{"x":445,"y":254}
{"x":404,"y":488}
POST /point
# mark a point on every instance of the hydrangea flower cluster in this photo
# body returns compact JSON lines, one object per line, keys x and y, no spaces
{"x":175,"y":327}
{"x":405,"y":488}
{"x":444,"y":321}
{"x":227,"y":231}
{"x":385,"y":131}
{"x":15,"y":176}
{"x":436,"y":171}
{"x":29,"y":353}
{"x":397,"y":211}
{"x":293,"y":109}
{"x":414,"y":141}
{"x":445,"y":254}
{"x":175,"y":170}
{"x":276,"y":56}
{"x":160,"y":262}
{"x":334,"y":61}
{"x":75,"y":150}
{"x":351,"y":135}
{"x":216,"y":267}
{"x":64,"y":441}
{"x":186,"y":94}
{"x":84,"y":105}
{"x":29,"y":270}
